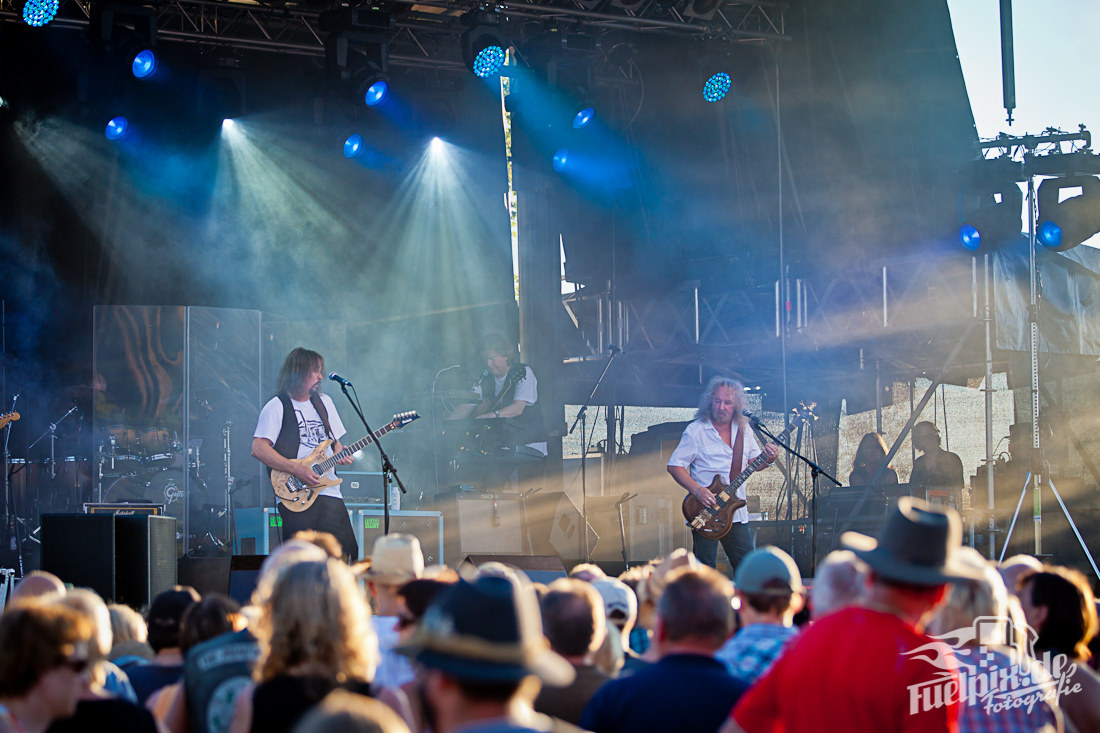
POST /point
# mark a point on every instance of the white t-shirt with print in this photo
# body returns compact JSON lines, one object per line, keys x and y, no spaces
{"x":311,"y":431}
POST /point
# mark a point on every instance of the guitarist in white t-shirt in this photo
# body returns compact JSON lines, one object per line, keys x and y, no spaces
{"x":294,"y":422}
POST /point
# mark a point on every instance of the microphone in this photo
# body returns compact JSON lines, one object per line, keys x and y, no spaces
{"x":614,"y":349}
{"x":338,"y":379}
{"x":752,"y":418}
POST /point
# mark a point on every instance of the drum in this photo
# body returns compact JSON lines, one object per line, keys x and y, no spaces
{"x":124,"y":452}
{"x":158,"y":446}
{"x":161,"y":487}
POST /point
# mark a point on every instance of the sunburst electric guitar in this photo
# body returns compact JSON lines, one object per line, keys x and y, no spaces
{"x":296,"y":496}
{"x":8,"y":417}
{"x":716,"y":523}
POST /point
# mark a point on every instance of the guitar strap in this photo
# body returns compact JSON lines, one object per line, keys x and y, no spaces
{"x":738,"y":453}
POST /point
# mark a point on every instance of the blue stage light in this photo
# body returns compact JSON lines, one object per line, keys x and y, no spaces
{"x":38,"y":13}
{"x":353,"y":145}
{"x":584,"y":118}
{"x":377,"y":93}
{"x":561,"y":159}
{"x":1050,"y":234}
{"x":717,"y":86}
{"x":488,"y":61}
{"x":117,"y":128}
{"x":969,"y":237}
{"x":145,"y":64}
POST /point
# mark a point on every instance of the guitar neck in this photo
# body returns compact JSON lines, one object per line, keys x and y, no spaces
{"x":761,"y":460}
{"x":331,"y":461}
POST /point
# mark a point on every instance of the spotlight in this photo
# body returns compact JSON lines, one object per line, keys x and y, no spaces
{"x":717,"y":86}
{"x":228,"y":124}
{"x":353,"y":145}
{"x":1065,"y":224}
{"x":584,"y":116}
{"x":561,"y":159}
{"x":373,"y":89}
{"x":437,"y":144}
{"x":483,"y":45}
{"x":993,"y":224}
{"x":144,"y":64}
{"x":488,"y":61}
{"x":37,"y":13}
{"x":117,"y":128}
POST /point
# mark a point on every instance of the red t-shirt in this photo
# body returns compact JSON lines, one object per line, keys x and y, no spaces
{"x":849,"y":672}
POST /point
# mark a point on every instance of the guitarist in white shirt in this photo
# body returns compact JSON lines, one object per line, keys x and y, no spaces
{"x":706,"y":450}
{"x":275,"y":442}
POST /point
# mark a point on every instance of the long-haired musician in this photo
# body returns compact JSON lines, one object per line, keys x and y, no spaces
{"x":706,"y":450}
{"x":294,"y":422}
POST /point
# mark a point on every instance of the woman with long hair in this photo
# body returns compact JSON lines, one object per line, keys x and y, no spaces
{"x":869,"y":456}
{"x":315,"y":636}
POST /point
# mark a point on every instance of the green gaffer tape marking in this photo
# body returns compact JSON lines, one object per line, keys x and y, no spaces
{"x":371,"y":523}
{"x":276,"y":520}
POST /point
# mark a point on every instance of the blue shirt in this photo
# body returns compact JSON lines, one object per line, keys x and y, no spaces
{"x":681,"y":693}
{"x":752,"y":650}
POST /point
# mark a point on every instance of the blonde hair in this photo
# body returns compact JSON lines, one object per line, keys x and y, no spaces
{"x":316,"y":621}
{"x":88,"y":604}
{"x":974,"y":599}
{"x":126,"y":624}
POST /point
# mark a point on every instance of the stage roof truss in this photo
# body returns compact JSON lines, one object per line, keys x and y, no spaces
{"x":427,"y":34}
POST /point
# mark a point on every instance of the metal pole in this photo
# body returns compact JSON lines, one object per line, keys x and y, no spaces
{"x":1008,"y":64}
{"x":989,"y":461}
{"x":1033,"y":317}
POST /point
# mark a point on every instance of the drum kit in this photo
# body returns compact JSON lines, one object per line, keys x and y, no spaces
{"x":145,"y":466}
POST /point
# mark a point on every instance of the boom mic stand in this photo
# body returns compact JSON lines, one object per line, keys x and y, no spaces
{"x":387,"y":467}
{"x":815,"y":471}
{"x":623,"y":500}
{"x":581,"y":418}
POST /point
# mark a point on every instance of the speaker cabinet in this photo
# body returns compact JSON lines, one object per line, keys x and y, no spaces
{"x":483,"y":524}
{"x":145,"y":563}
{"x":80,"y":549}
{"x":370,"y":524}
{"x":124,"y":558}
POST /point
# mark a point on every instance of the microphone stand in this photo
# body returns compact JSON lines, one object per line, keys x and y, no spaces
{"x":582,"y":419}
{"x":435,"y":429}
{"x":12,"y":517}
{"x":815,"y":471}
{"x":622,"y":524}
{"x":387,"y":467}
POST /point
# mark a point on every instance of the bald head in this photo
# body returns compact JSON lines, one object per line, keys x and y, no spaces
{"x":38,"y":583}
{"x":838,"y":583}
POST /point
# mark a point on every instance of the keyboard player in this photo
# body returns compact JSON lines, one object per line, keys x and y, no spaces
{"x":509,"y":390}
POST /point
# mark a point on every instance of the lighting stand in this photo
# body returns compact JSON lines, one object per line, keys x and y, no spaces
{"x":388,"y":470}
{"x":1037,"y":464}
{"x":582,"y":419}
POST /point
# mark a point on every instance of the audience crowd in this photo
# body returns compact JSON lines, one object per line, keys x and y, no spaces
{"x":910,"y":631}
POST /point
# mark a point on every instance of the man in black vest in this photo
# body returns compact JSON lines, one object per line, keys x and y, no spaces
{"x":510,"y":390}
{"x":294,"y":422}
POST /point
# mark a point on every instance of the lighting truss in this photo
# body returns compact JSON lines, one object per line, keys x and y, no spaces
{"x":429,"y":33}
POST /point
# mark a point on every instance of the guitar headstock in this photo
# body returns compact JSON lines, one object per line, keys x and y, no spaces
{"x":402,"y":419}
{"x":8,"y":417}
{"x":803,"y":413}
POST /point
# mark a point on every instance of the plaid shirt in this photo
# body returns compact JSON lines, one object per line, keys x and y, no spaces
{"x":976,"y":713}
{"x":752,"y":650}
